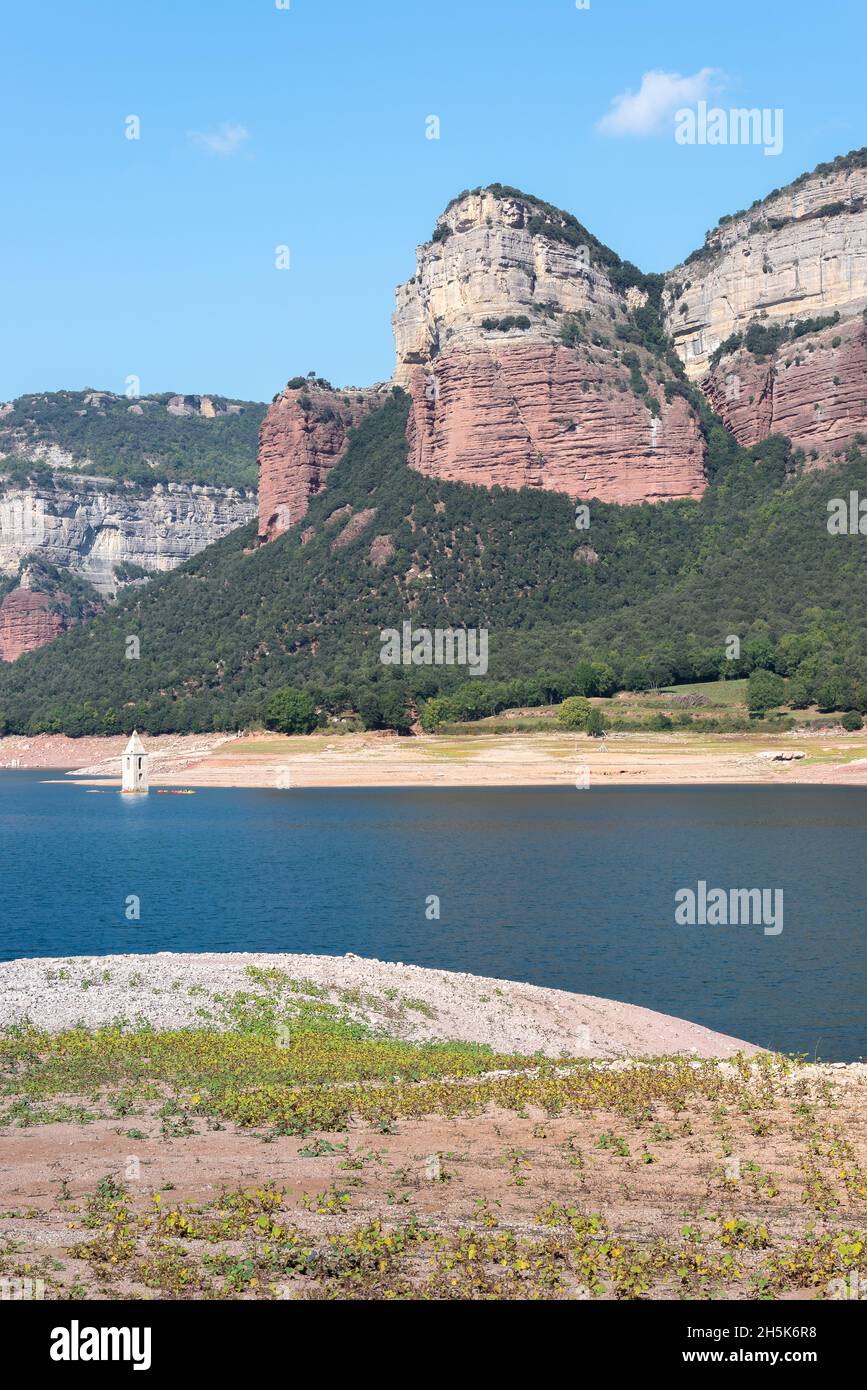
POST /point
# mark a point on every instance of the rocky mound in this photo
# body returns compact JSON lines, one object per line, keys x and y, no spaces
{"x":172,"y":990}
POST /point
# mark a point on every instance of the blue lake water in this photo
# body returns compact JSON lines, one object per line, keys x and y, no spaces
{"x":560,"y":887}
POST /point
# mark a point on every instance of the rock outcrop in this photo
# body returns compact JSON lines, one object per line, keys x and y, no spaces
{"x":511,"y":339}
{"x":547,"y":416}
{"x":304,"y":434}
{"x":535,"y":357}
{"x":90,"y":526}
{"x":200,"y":405}
{"x":814,"y":390}
{"x":28,"y":620}
{"x":768,"y":316}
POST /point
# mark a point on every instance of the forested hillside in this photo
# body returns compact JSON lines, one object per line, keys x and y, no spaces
{"x":649,"y":592}
{"x":137,"y":440}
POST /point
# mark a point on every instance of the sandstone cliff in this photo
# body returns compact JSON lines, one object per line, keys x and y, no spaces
{"x":27,"y":620}
{"x":511,"y":338}
{"x":768,"y":316}
{"x":535,"y":357}
{"x":304,"y":434}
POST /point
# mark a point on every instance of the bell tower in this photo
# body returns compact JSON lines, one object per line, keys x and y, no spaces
{"x":134,"y":766}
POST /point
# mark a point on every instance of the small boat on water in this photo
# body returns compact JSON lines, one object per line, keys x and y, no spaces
{"x":171,"y":791}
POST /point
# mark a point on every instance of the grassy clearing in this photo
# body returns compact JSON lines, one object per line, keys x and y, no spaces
{"x":274,"y":747}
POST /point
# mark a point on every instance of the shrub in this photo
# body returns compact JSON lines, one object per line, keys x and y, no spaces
{"x":432,"y":714}
{"x":852,"y":720}
{"x":659,"y":723}
{"x":574,"y":712}
{"x":504,"y":325}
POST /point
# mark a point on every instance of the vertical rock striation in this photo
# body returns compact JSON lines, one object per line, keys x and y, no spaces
{"x":28,"y":620}
{"x":90,"y":526}
{"x":304,"y":434}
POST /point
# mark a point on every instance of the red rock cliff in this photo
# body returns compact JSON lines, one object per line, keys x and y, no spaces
{"x":26,"y":622}
{"x":813,"y":390}
{"x":304,"y":434}
{"x":542,"y":415}
{"x":507,"y":341}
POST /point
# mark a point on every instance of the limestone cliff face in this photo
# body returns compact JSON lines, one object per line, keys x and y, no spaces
{"x":799,"y":255}
{"x":89,"y":526}
{"x":488,"y":264}
{"x":304,"y":434}
{"x":506,"y":341}
{"x":60,"y":512}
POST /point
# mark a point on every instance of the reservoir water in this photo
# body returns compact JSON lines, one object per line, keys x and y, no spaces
{"x":574,"y":889}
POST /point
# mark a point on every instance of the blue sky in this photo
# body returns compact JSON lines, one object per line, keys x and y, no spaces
{"x":306,"y":127}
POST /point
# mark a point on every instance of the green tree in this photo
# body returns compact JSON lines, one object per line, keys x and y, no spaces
{"x":765,"y":691}
{"x":384,"y":709}
{"x":799,"y":693}
{"x":432,"y":714}
{"x":574,"y":712}
{"x":595,"y":726}
{"x":290,"y":712}
{"x":835,"y":691}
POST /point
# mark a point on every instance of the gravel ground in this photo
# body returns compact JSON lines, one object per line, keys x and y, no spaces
{"x":170,"y":990}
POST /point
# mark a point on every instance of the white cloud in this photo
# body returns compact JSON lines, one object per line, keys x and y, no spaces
{"x":225,"y":141}
{"x":660,"y":94}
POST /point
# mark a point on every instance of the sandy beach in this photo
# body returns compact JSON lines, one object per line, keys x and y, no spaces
{"x":521,"y":759}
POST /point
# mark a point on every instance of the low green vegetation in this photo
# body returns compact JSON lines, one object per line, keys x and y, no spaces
{"x":663,"y":1178}
{"x":507,"y":324}
{"x":764,"y":340}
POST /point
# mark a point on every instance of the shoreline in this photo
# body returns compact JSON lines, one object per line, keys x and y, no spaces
{"x":169,"y":989}
{"x":471,"y":761}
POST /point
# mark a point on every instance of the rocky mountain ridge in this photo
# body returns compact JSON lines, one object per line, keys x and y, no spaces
{"x":85,"y":525}
{"x":535,"y":357}
{"x":510,"y":340}
{"x":768,"y":316}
